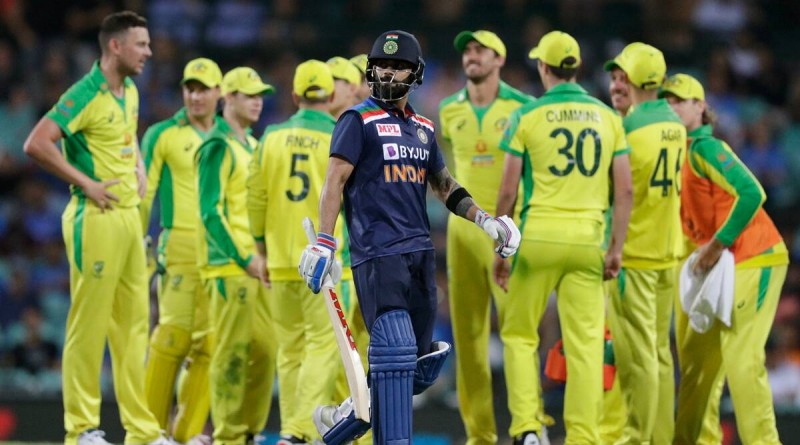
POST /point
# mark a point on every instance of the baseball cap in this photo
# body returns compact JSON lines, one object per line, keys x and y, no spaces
{"x":203,"y":70}
{"x":360,"y":61}
{"x":643,"y":63}
{"x":684,"y":86}
{"x":244,"y":80}
{"x":485,"y":38}
{"x":313,"y":73}
{"x":557,"y":49}
{"x":343,"y":69}
{"x":396,"y":45}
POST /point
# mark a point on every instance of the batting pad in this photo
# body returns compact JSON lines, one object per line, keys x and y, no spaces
{"x":430,"y":365}
{"x":392,"y":361}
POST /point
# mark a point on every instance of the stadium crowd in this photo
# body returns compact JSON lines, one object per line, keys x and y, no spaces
{"x":740,"y":49}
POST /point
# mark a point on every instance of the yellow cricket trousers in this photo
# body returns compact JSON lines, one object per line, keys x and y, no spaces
{"x":109,"y":300}
{"x":243,"y":359}
{"x":735,"y":353}
{"x":639,"y":316}
{"x":575,"y":272}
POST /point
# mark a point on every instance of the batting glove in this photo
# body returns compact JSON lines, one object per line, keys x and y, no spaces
{"x":317,"y":263}
{"x":501,"y":229}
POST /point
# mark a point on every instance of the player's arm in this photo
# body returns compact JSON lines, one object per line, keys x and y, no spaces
{"x":213,"y":162}
{"x":623,"y":203}
{"x":723,"y":168}
{"x":153,"y":164}
{"x":41,"y":146}
{"x":257,"y":197}
{"x":339,"y":171}
{"x":141,"y":173}
{"x":507,"y":194}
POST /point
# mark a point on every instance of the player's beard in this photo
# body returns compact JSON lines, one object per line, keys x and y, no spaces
{"x":389,"y":91}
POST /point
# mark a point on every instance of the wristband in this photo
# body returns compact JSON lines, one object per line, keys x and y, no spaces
{"x":327,"y":241}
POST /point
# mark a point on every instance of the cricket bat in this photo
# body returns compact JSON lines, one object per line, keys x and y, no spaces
{"x":354,"y":370}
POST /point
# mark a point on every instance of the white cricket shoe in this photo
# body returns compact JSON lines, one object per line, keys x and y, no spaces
{"x":93,"y":437}
{"x":161,"y":440}
{"x":201,"y":439}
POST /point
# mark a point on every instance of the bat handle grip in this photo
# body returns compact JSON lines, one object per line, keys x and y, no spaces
{"x":311,"y":234}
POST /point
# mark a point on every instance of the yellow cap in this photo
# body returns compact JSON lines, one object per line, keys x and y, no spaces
{"x":644,"y":65}
{"x":360,"y":61}
{"x":684,"y":86}
{"x":244,"y":80}
{"x":485,"y":38}
{"x":313,"y":73}
{"x":343,"y":69}
{"x":203,"y":70}
{"x":557,"y":49}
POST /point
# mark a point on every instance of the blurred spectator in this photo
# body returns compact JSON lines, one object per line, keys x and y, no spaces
{"x":784,"y":374}
{"x":41,"y":214}
{"x":16,"y":293}
{"x":34,"y":354}
{"x":721,"y":18}
{"x":181,"y":20}
{"x":235,"y":24}
{"x":764,"y":159}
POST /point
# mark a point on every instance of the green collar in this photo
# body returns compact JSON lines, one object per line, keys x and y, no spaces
{"x":702,"y":131}
{"x":566,"y":88}
{"x":653,"y":104}
{"x":99,"y":79}
{"x":504,"y":92}
{"x":314,"y":115}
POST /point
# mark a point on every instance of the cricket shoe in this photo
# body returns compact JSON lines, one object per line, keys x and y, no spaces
{"x":527,"y":438}
{"x":93,"y":437}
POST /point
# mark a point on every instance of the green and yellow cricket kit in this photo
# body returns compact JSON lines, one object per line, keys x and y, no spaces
{"x":474,"y":134}
{"x":721,"y":199}
{"x":169,"y":148}
{"x":641,"y":298}
{"x":108,"y":279}
{"x":243,"y":354}
{"x":284,"y":186}
{"x":568,"y":141}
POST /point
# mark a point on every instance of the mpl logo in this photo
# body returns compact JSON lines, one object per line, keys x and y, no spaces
{"x":390,"y":152}
{"x":388,"y":130}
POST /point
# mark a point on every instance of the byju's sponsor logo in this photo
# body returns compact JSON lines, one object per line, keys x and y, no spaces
{"x":391,"y":152}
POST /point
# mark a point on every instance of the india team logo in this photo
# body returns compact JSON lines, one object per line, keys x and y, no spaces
{"x":391,"y":152}
{"x":390,"y":47}
{"x":423,"y":137}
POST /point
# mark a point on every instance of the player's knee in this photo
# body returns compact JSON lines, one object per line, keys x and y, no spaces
{"x":392,"y":345}
{"x":172,"y":341}
{"x":201,"y":349}
{"x":430,"y":365}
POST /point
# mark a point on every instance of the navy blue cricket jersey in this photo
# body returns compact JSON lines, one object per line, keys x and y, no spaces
{"x":384,"y":199}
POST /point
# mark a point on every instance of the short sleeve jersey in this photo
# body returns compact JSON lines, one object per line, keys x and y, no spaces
{"x":567,"y":140}
{"x":169,"y":149}
{"x":225,"y":245}
{"x":384,"y":199}
{"x":475,"y":134}
{"x":100,"y":131}
{"x":285,"y":182}
{"x":658,"y":147}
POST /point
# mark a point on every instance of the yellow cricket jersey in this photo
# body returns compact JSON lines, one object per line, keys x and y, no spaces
{"x":285,"y":184}
{"x":100,"y":131}
{"x":567,"y":140}
{"x":225,"y":245}
{"x":474,"y":134}
{"x":169,"y":149}
{"x":658,"y":146}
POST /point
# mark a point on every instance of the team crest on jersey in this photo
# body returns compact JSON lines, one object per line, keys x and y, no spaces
{"x":242,"y":294}
{"x":388,"y":129}
{"x":391,"y":152}
{"x":98,"y":267}
{"x":176,"y":282}
{"x":501,"y":124}
{"x":423,"y":137}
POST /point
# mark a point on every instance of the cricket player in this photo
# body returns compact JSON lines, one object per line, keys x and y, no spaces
{"x":285,"y":181}
{"x":722,"y":209}
{"x":96,"y":121}
{"x":641,"y":297}
{"x":472,"y":121}
{"x":569,"y":150}
{"x":169,"y":148}
{"x":232,"y":271}
{"x":383,"y":156}
{"x":347,"y":80}
{"x":360,"y":61}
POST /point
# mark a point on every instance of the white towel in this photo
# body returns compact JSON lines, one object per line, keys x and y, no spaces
{"x":710,"y":295}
